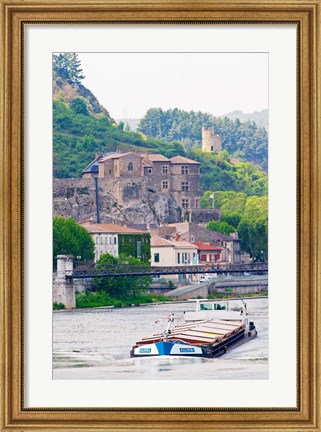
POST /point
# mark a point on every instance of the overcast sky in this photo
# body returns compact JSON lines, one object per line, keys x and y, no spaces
{"x":128,"y":84}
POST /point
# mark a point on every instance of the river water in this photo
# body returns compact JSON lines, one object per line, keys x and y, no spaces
{"x":95,"y":344}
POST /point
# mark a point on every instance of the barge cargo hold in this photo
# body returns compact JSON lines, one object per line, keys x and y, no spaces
{"x":199,"y":338}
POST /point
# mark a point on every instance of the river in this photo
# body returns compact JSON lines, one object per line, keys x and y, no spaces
{"x":94,"y":344}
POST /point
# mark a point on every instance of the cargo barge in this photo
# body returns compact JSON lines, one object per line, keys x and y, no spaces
{"x":209,"y":331}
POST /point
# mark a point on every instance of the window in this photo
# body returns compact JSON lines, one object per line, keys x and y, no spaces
{"x":184,"y":169}
{"x":165,"y":184}
{"x":130,"y":166}
{"x":185,"y":186}
{"x":149,"y":170}
{"x":197,"y":203}
{"x":115,"y":240}
{"x":185,"y":203}
{"x":178,"y":258}
{"x":156,"y":257}
{"x":165,"y":169}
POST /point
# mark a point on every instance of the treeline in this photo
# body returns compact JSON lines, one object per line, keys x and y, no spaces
{"x":244,"y":141}
{"x":78,"y":136}
{"x":246,"y":214}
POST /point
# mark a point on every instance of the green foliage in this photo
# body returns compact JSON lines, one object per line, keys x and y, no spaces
{"x":253,"y":227}
{"x":88,"y":299}
{"x":78,"y":136}
{"x":227,"y":201}
{"x":245,"y":141}
{"x":122,"y":286}
{"x":247,"y":215}
{"x":78,"y":106}
{"x":69,"y":238}
{"x":58,"y":306}
{"x":217,"y":173}
{"x":221,"y":227}
{"x":232,"y":219}
{"x":231,"y":204}
{"x":67,"y":66}
{"x":137,"y":246}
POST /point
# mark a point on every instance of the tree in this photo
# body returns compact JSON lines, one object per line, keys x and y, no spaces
{"x":69,"y":238}
{"x":253,"y":227}
{"x":244,"y":140}
{"x":68,"y":67}
{"x":121,"y":286}
{"x":79,"y":106}
{"x":221,"y":227}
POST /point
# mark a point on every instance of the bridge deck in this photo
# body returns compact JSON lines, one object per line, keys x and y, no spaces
{"x":127,"y":270}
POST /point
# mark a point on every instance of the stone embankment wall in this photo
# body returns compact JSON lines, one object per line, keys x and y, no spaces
{"x":203,"y":290}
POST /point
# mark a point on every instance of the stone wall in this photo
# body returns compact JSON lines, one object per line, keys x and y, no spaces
{"x":202,"y":216}
{"x":211,"y":142}
{"x":121,"y":201}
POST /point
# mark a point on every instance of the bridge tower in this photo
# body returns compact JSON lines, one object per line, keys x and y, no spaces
{"x":63,"y":286}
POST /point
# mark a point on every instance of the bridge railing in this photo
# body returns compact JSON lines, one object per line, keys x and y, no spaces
{"x":129,"y":270}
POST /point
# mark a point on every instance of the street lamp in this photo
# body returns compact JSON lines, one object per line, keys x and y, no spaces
{"x":263,"y":257}
{"x":212,"y":197}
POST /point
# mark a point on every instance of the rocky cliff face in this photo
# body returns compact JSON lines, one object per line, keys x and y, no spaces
{"x":76,"y":198}
{"x":66,"y":92}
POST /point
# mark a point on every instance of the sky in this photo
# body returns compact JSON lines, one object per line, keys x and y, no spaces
{"x":128,"y":84}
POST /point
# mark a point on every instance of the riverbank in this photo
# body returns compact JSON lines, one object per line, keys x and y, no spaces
{"x":95,"y":299}
{"x":162,"y":302}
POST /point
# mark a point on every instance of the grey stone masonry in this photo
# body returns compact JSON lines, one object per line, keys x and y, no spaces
{"x":63,"y":288}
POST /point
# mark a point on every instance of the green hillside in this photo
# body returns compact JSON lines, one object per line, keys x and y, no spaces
{"x":244,"y":141}
{"x":82,"y":127}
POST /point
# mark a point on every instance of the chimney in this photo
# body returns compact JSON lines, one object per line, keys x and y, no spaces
{"x":98,"y":155}
{"x":234,"y":235}
{"x":177,"y":236}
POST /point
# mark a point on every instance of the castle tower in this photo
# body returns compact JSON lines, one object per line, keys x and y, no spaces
{"x":210,"y":141}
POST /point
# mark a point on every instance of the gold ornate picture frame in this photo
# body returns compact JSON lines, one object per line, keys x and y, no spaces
{"x":15,"y":15}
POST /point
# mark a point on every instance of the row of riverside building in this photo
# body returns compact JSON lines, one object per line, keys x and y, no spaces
{"x":185,"y":243}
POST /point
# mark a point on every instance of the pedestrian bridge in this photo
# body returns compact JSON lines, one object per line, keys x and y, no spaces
{"x":69,"y":271}
{"x":85,"y":271}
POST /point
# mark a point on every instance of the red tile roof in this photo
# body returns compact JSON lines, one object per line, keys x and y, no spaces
{"x":110,"y":228}
{"x":205,"y":246}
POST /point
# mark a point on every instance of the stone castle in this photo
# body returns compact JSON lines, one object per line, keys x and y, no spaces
{"x":134,"y":188}
{"x":178,"y":176}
